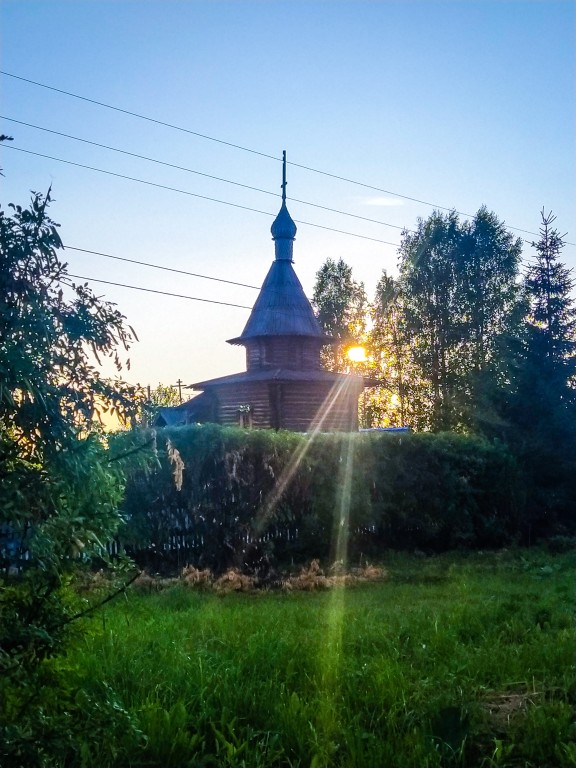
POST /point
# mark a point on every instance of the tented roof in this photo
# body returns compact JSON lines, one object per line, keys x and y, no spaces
{"x":282,"y":308}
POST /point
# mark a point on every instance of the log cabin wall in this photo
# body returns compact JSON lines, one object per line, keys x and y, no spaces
{"x":291,"y":352}
{"x":300,"y":406}
{"x":230,"y":399}
{"x":311,"y":405}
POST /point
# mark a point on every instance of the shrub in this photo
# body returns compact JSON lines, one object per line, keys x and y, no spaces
{"x":224,"y":498}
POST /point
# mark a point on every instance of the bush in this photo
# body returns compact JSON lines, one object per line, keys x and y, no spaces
{"x":223,"y":497}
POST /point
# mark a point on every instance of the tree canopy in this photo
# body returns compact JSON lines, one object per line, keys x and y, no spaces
{"x":460,"y":293}
{"x":61,"y":489}
{"x":463,"y":341}
{"x":341,"y":307}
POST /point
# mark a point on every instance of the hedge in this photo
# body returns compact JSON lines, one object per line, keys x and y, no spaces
{"x":221,"y":497}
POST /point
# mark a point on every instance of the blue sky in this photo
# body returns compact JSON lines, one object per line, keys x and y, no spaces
{"x":459,"y":104}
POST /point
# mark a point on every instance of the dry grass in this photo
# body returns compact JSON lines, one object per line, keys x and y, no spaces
{"x":504,"y":708}
{"x":310,"y":578}
{"x":313,"y":577}
{"x":193,"y":577}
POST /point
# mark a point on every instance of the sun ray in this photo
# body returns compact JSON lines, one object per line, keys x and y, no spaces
{"x":331,"y":655}
{"x":266,"y":511}
{"x":326,"y":722}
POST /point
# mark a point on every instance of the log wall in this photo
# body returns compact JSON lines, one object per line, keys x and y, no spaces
{"x":299,"y":406}
{"x":293,"y":353}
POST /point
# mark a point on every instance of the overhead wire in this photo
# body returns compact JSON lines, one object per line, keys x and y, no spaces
{"x":200,"y":173}
{"x":164,"y":268}
{"x":278,"y":310}
{"x":155,"y":290}
{"x":167,"y":269}
{"x":135,"y":154}
{"x":159,"y":266}
{"x":192,"y":194}
{"x":252,"y":151}
{"x":139,"y":116}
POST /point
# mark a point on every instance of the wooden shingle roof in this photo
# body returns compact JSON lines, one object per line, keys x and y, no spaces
{"x":282,"y":308}
{"x":278,"y":375}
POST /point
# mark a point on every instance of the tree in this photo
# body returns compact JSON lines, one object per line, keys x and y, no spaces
{"x":387,"y":404}
{"x":460,"y":295}
{"x":162,"y":396}
{"x":341,"y":307}
{"x":398,"y":400}
{"x":60,"y":488}
{"x":549,"y":284}
{"x":541,"y":408}
{"x":428,"y":264}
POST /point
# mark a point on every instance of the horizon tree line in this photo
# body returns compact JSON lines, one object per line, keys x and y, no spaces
{"x":465,"y":339}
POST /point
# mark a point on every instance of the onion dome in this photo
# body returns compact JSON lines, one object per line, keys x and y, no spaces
{"x":283,"y":227}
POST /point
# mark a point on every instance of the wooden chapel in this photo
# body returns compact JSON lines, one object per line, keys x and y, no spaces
{"x":284,"y":385}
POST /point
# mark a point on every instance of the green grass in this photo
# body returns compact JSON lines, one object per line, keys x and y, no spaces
{"x":453,"y":661}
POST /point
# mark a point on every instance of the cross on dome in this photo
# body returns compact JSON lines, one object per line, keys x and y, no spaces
{"x":283,"y":228}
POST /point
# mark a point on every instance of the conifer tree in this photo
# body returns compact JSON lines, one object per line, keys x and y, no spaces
{"x":549,"y":284}
{"x":542,"y":408}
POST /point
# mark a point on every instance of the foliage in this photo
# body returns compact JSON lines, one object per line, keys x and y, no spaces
{"x":460,"y":295}
{"x":60,"y":492}
{"x":213,"y":483}
{"x":162,"y":396}
{"x":395,"y":403}
{"x":341,"y":307}
{"x":51,"y":389}
{"x":454,"y":660}
{"x":460,"y":342}
{"x":552,"y":312}
{"x":437,"y":332}
{"x":256,"y":499}
{"x":540,"y":408}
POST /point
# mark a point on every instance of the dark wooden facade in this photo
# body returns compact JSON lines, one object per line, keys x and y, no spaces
{"x":327,"y":403}
{"x":298,"y":353}
{"x":284,"y":385}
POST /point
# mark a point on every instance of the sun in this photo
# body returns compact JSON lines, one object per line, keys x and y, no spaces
{"x":356,"y":354}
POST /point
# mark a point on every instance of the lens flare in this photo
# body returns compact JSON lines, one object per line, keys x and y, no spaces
{"x":330,"y":659}
{"x":357,"y":354}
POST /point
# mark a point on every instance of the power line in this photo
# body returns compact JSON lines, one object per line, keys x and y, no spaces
{"x":167,"y":293}
{"x":158,"y":266}
{"x":140,"y":117}
{"x":167,"y":269}
{"x":140,"y":157}
{"x":153,"y":290}
{"x":254,"y":151}
{"x":193,"y":194}
{"x":526,"y":258}
{"x":200,"y":173}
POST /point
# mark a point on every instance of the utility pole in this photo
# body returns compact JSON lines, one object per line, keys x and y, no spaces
{"x":179,"y":385}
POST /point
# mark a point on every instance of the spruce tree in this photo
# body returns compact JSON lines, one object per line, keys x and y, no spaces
{"x":542,"y":413}
{"x":549,"y":284}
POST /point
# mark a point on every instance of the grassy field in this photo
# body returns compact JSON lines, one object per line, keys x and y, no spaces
{"x":450,"y":661}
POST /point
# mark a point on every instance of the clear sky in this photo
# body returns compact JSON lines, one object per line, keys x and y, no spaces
{"x":455,"y":103}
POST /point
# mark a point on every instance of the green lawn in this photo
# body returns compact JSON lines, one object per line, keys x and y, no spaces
{"x":451,"y":660}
